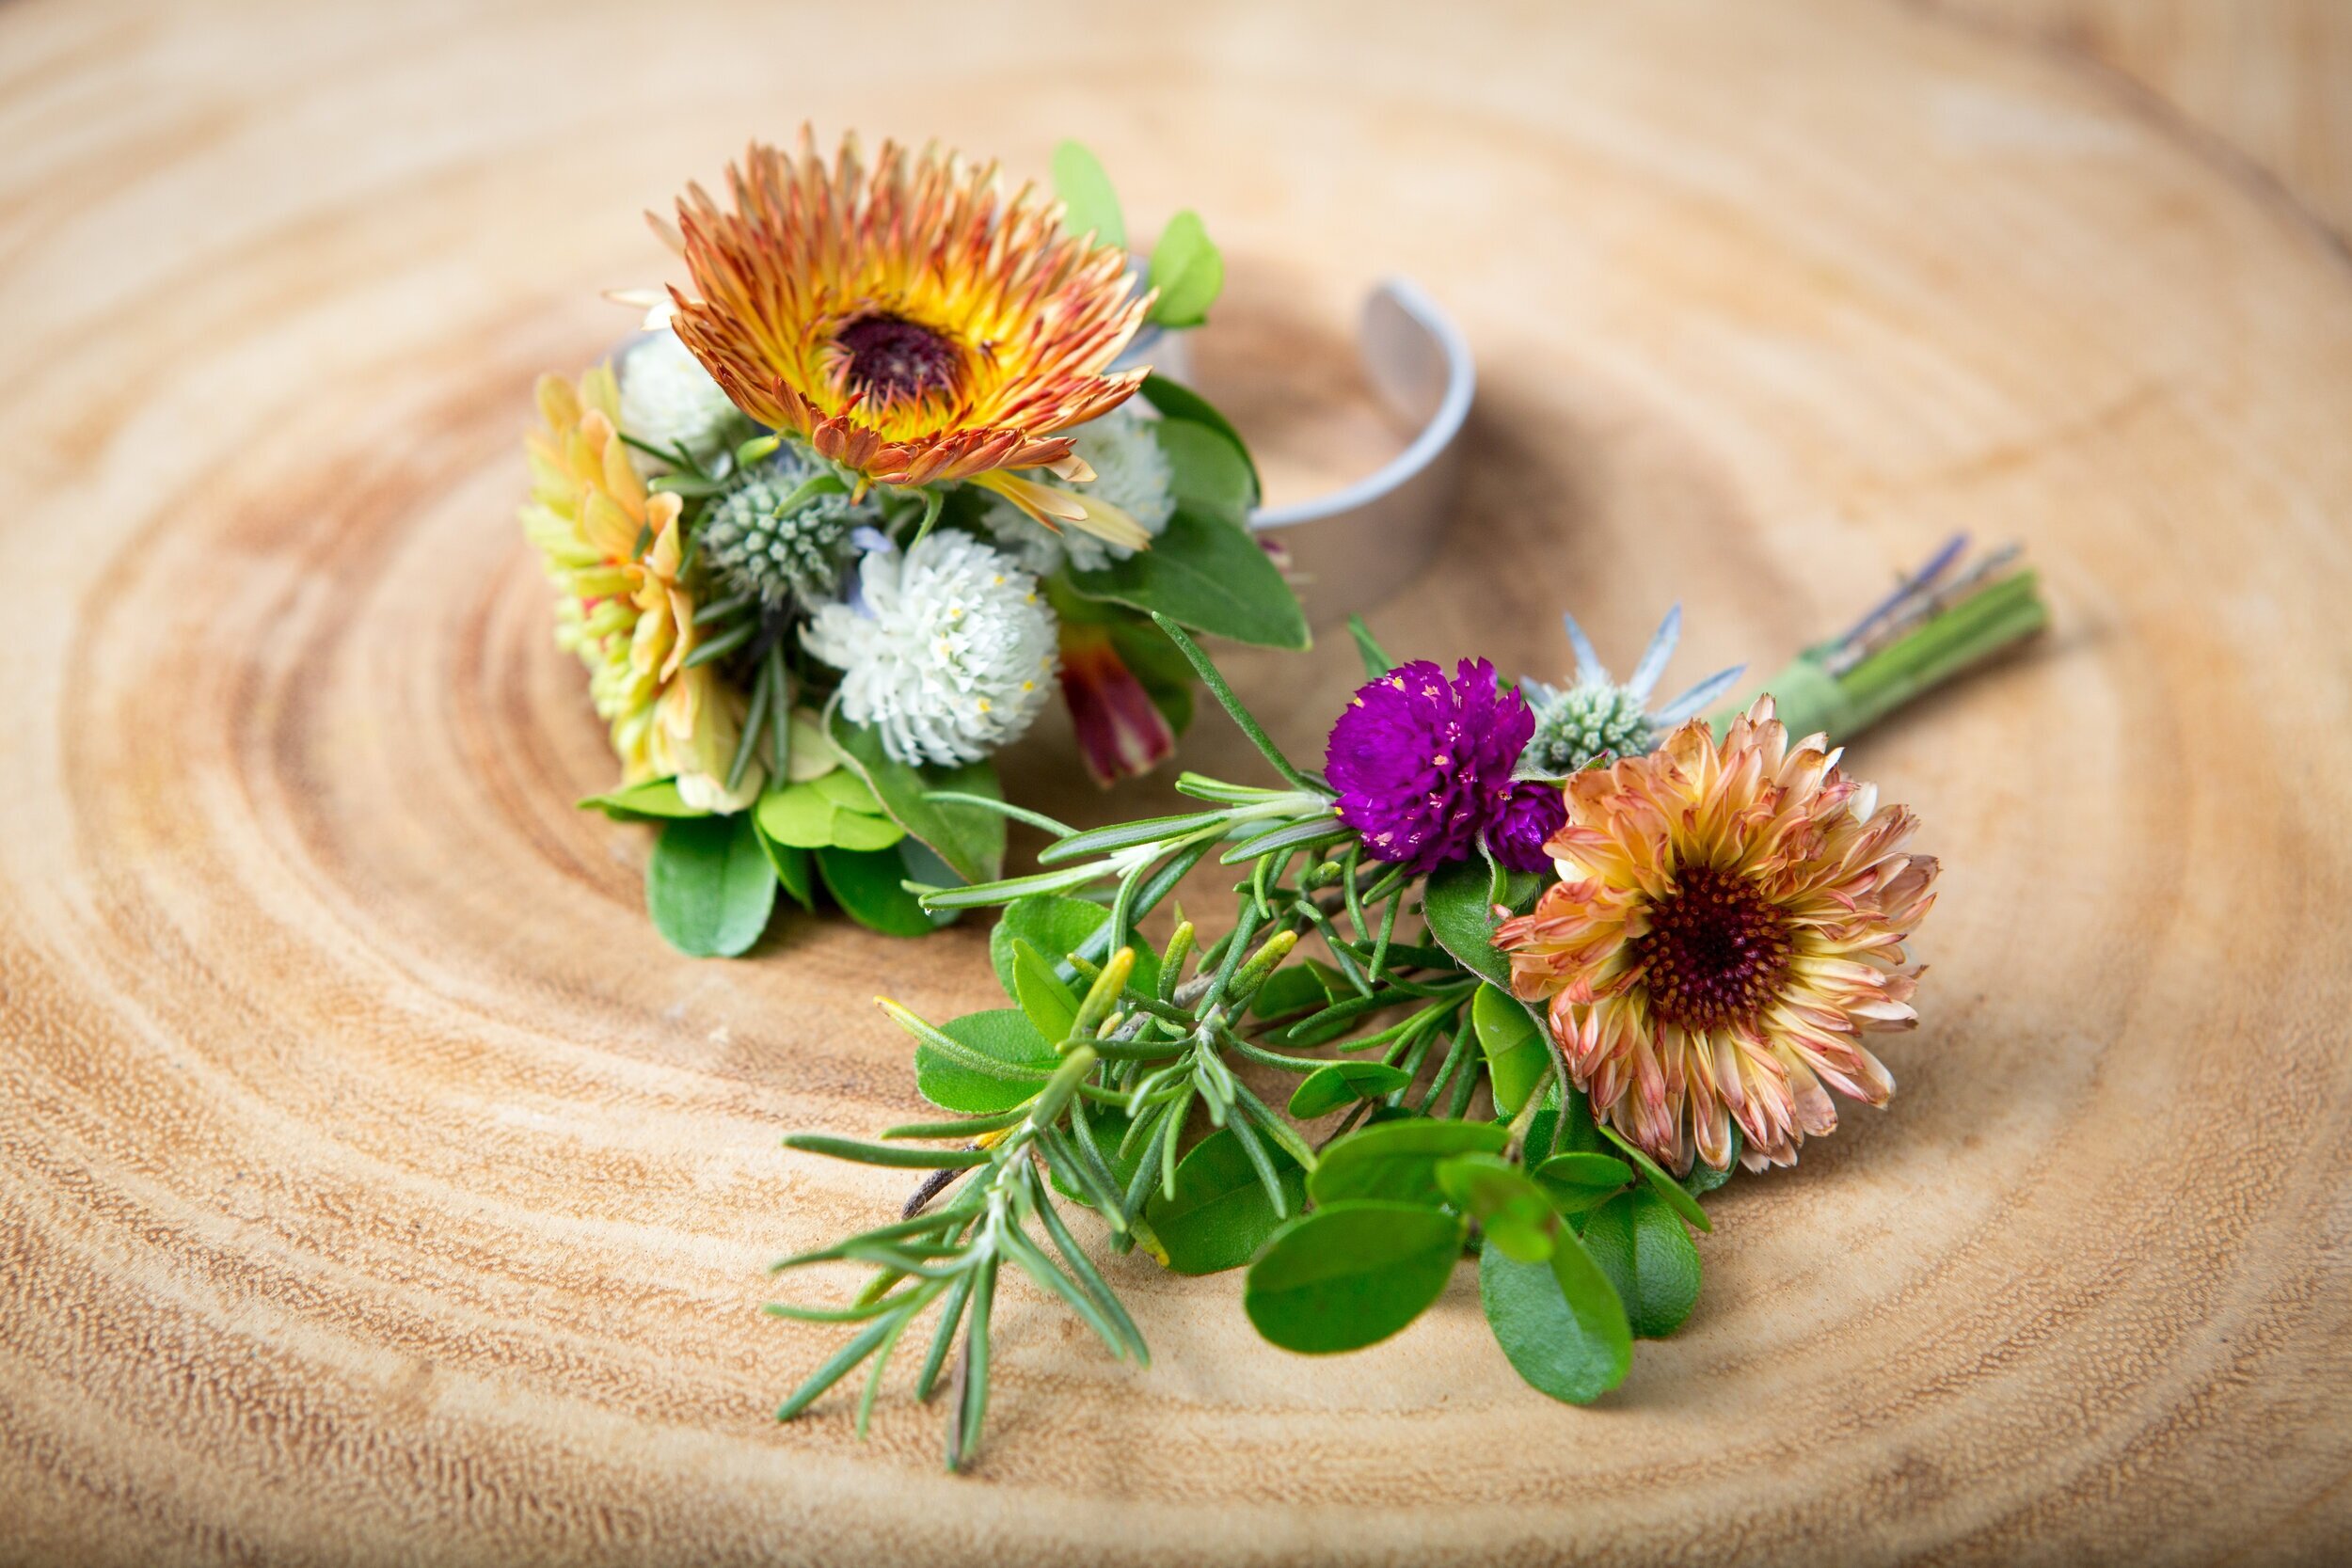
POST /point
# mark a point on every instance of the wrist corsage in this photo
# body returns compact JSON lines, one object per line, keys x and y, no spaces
{"x":876,"y":482}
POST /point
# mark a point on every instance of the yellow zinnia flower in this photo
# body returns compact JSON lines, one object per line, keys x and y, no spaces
{"x":910,"y":323}
{"x":1728,"y":921}
{"x":614,"y":551}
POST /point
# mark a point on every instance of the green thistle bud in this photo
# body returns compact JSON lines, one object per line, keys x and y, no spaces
{"x":1584,"y":722}
{"x":799,"y":554}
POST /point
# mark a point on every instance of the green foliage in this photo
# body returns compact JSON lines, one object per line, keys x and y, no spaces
{"x":1639,"y":1243}
{"x":1005,"y":1036}
{"x":1176,"y":401}
{"x":1352,"y":1274}
{"x":1517,"y":1057}
{"x":1457,"y":901}
{"x":1220,"y":1212}
{"x":1398,"y":1161}
{"x":655,"y":800}
{"x":1559,"y":1320}
{"x":1189,"y":272}
{"x":969,"y":839}
{"x":869,"y":886}
{"x":1208,"y":471}
{"x":708,"y":885}
{"x":1338,"y":1084}
{"x":1089,"y":205}
{"x":1209,"y":576}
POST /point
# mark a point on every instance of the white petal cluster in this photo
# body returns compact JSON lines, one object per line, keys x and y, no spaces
{"x":1130,"y":471}
{"x":947,"y":651}
{"x":668,"y":400}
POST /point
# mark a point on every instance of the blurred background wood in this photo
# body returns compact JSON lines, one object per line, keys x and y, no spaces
{"x":2271,"y":79}
{"x":376,"y":1187}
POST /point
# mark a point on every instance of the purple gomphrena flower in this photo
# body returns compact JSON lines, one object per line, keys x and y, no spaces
{"x":1424,"y":764}
{"x":1533,"y":813}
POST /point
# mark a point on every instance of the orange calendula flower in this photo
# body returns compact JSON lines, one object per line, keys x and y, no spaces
{"x":1728,"y":922}
{"x":909,"y":322}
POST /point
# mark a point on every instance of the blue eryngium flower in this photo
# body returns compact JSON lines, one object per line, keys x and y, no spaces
{"x":1424,"y":764}
{"x":1596,"y":718}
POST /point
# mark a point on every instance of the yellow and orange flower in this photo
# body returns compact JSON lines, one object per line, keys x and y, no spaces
{"x":1729,"y":920}
{"x":614,"y":552}
{"x":909,"y":322}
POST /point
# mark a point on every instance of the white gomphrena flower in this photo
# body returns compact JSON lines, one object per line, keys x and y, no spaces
{"x":669,"y":401}
{"x":947,"y":651}
{"x":1131,"y":472}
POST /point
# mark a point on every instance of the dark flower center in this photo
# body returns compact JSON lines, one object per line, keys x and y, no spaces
{"x":1715,"y":951}
{"x":891,"y":357}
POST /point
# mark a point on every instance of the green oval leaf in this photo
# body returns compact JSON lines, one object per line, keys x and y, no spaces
{"x":1057,"y":925}
{"x":1511,"y":1209}
{"x":1003,"y":1034}
{"x":1517,"y":1056}
{"x":848,"y":791}
{"x":1457,"y":903}
{"x":1351,"y":1274}
{"x":1559,"y":1321}
{"x":1176,"y":401}
{"x":797,"y":816}
{"x":1639,"y":1243}
{"x":654,"y":798}
{"x":1397,"y":1160}
{"x":709,"y":886}
{"x":1047,"y":1003}
{"x":866,"y":885}
{"x":1187,"y":271}
{"x":971,"y":839}
{"x":1089,"y":204}
{"x":1327,"y":1088}
{"x":1221,"y":1215}
{"x":1207,"y":469}
{"x":1205,"y":574}
{"x":794,"y":869}
{"x":1579,"y":1182}
{"x":854,"y":830}
{"x":1663,"y":1185}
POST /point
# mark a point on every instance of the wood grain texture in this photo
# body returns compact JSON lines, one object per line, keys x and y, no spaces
{"x":2271,"y":79}
{"x":376,"y":1187}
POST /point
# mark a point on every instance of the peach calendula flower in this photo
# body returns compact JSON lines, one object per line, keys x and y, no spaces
{"x":1728,"y":922}
{"x":909,"y":322}
{"x":612,"y":550}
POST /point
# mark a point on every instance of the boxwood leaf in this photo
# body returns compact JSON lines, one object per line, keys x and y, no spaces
{"x":1508,"y":1206}
{"x":1002,"y":1033}
{"x":856,"y":831}
{"x":1327,"y":1088}
{"x":1517,"y":1057}
{"x":1207,"y":574}
{"x":1207,"y":469}
{"x":1579,"y":1182}
{"x":866,"y":883}
{"x":1397,"y":1160}
{"x":848,"y":791}
{"x":1663,"y":1185}
{"x":1057,"y":925}
{"x":1289,"y":990}
{"x":709,"y":886}
{"x":796,"y":815}
{"x":1639,"y":1243}
{"x":1176,"y":401}
{"x":1089,"y":205}
{"x":794,"y":869}
{"x":1559,"y":1321}
{"x":655,"y":798}
{"x":1187,"y":271}
{"x":1351,"y":1274}
{"x":1046,"y":1001}
{"x":971,"y":839}
{"x":1221,"y":1215}
{"x":1455,"y":902}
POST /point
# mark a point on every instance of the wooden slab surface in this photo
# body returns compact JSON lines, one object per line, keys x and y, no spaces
{"x":376,"y":1187}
